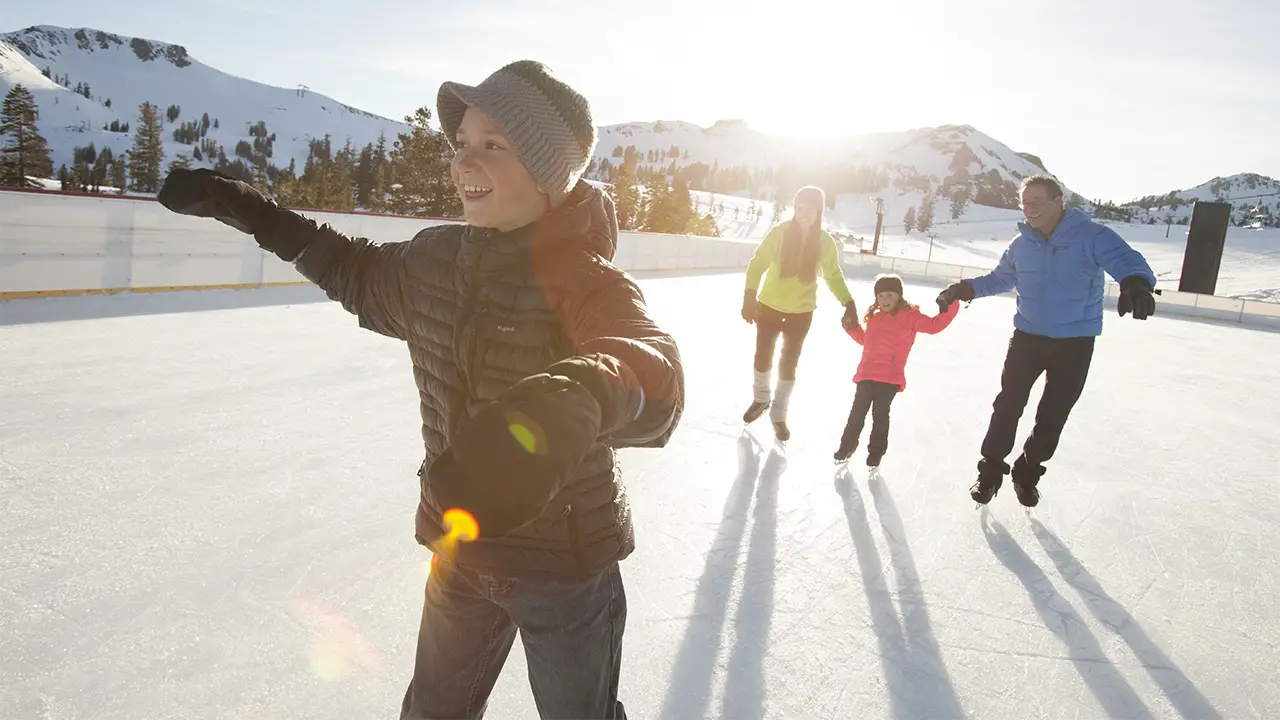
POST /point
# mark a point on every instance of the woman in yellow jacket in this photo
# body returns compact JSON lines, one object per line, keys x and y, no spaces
{"x":789,"y":259}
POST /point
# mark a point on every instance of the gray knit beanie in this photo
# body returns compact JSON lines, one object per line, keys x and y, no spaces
{"x":548,"y":123}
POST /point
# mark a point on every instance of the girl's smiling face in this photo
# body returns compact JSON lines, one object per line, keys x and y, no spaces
{"x":887,"y":300}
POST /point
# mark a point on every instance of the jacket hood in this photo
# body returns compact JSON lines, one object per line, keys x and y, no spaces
{"x":587,"y":212}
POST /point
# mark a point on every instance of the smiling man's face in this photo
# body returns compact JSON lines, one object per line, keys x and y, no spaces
{"x":1042,"y":211}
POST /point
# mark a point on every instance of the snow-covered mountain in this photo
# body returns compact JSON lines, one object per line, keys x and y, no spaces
{"x":936,"y":159}
{"x":87,"y":81}
{"x":1255,"y":200}
{"x":115,"y":74}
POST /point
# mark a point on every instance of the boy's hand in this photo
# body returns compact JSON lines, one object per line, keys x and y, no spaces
{"x":510,"y":459}
{"x":211,"y":194}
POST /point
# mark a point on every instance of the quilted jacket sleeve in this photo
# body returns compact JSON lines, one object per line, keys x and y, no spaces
{"x":937,"y":323}
{"x":367,"y":279}
{"x":1000,"y":280}
{"x":631,"y":366}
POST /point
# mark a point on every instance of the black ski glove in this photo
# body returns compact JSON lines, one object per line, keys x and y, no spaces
{"x":1136,"y":297}
{"x":509,"y":460}
{"x":955,"y":291}
{"x":208,"y":193}
{"x":850,"y":319}
{"x":750,"y":306}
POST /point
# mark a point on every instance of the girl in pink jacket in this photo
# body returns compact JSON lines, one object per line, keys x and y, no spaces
{"x":891,"y":327}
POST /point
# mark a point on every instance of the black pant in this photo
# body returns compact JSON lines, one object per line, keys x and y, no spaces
{"x":1065,"y":364}
{"x":571,"y":632}
{"x":793,"y":327}
{"x":874,"y":396}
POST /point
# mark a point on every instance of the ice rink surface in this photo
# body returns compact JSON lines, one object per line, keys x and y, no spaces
{"x":208,"y":513}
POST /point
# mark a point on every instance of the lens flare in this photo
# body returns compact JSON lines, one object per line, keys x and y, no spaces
{"x":338,"y":650}
{"x":527,"y":432}
{"x":461,"y":525}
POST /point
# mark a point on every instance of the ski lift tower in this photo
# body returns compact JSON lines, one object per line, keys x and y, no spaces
{"x":875,"y":244}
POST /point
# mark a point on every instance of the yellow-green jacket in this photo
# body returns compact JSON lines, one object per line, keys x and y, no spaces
{"x":791,"y":294}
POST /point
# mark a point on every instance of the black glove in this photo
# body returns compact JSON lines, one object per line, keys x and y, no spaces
{"x":505,"y":464}
{"x":208,"y":193}
{"x":955,"y":291}
{"x":1136,"y":297}
{"x":850,"y":319}
{"x":750,"y":306}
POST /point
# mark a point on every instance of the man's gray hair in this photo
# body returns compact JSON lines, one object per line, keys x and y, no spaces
{"x":1045,"y":181}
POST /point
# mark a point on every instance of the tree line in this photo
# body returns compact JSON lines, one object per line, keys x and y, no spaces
{"x":406,"y":176}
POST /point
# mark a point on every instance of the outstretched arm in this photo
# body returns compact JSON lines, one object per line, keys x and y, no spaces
{"x":832,"y":272}
{"x":1000,"y":280}
{"x":938,"y":323}
{"x":367,"y":279}
{"x":631,"y":366}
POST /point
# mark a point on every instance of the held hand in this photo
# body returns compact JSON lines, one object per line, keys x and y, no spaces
{"x":1136,"y":297}
{"x":955,"y":291}
{"x":850,"y":319}
{"x":508,"y":461}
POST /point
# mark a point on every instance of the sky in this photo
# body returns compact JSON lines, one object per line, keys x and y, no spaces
{"x":1139,"y":98}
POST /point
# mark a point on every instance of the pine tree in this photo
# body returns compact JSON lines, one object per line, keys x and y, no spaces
{"x":383,"y":174}
{"x":626,"y":198}
{"x":909,"y":220}
{"x":147,"y":154}
{"x":180,"y":162}
{"x":365,"y":177}
{"x":24,"y":153}
{"x":960,"y":196}
{"x":101,"y":164}
{"x":116,"y":172}
{"x":924,"y":217}
{"x":421,"y":161}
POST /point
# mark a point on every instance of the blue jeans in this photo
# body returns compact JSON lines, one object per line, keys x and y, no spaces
{"x":571,"y":632}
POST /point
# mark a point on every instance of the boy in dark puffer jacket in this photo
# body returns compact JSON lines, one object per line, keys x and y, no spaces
{"x":534,"y":359}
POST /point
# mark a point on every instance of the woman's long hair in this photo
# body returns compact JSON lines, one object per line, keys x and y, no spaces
{"x":800,"y":250}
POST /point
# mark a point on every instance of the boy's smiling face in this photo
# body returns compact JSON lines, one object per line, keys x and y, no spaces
{"x":496,"y":188}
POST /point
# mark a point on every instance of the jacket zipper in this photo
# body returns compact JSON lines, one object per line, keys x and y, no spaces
{"x":473,"y":297}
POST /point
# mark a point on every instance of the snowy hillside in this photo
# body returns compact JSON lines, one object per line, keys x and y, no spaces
{"x":937,"y":160}
{"x":1250,"y":259}
{"x":116,"y":74}
{"x":1255,"y":200}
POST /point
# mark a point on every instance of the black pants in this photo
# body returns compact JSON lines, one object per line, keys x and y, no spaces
{"x":1065,"y":364}
{"x":571,"y":633}
{"x":793,"y":327}
{"x":876,"y":397}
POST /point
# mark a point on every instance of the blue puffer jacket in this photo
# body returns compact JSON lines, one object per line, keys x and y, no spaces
{"x":1059,"y":280}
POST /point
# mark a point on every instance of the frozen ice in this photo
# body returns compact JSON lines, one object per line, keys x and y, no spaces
{"x":208,"y":513}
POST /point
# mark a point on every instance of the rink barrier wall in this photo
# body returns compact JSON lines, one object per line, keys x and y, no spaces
{"x":1169,"y":302}
{"x":55,"y":244}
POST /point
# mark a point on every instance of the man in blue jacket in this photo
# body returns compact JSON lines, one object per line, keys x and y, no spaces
{"x":1056,"y":264}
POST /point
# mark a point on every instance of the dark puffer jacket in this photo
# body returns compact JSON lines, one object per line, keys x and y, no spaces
{"x":480,"y":310}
